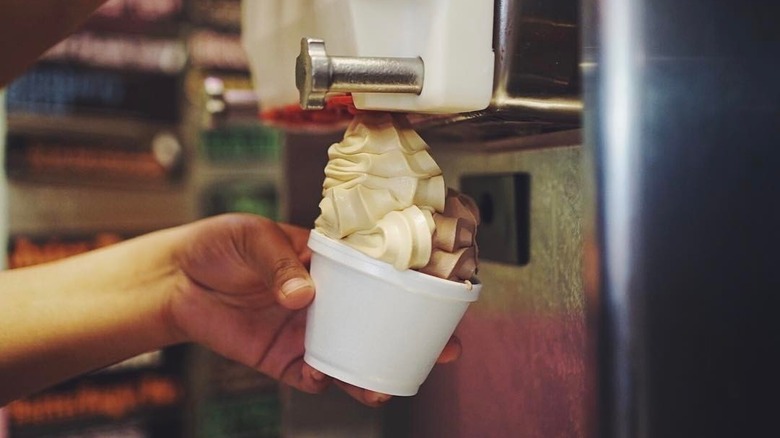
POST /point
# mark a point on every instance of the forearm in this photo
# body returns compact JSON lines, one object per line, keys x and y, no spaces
{"x":66,"y":318}
{"x":29,"y":27}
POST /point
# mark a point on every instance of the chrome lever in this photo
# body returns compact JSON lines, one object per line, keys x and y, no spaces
{"x":316,"y":74}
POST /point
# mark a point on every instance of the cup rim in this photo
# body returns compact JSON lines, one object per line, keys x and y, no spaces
{"x":408,"y":279}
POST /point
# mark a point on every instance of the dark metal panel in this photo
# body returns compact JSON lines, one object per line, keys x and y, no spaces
{"x":682,"y":136}
{"x":536,"y":87}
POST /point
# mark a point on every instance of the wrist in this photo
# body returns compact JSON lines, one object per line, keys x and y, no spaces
{"x":85,"y":312}
{"x":166,"y":284}
{"x":132,"y":282}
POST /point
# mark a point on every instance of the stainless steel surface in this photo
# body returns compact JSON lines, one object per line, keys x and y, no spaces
{"x":316,"y":74}
{"x":682,"y":136}
{"x":536,"y":88}
{"x":522,"y":373}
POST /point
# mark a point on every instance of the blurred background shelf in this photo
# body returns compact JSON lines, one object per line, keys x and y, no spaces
{"x":111,"y":135}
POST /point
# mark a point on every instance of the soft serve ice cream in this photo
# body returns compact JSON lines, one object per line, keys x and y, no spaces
{"x":388,"y":228}
{"x":385,"y":196}
{"x":454,"y":253}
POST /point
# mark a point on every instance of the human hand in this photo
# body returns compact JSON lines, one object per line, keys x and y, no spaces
{"x":242,"y":286}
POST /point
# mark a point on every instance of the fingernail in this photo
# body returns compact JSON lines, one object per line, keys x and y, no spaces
{"x":316,"y":375}
{"x":293,"y":285}
{"x":377,"y":397}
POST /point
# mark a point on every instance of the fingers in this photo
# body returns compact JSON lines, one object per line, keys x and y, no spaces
{"x":451,"y":351}
{"x":235,"y":253}
{"x":293,"y":285}
{"x":314,"y":378}
{"x":305,"y":378}
{"x":299,"y":238}
{"x":276,"y":249}
{"x":365,"y":396}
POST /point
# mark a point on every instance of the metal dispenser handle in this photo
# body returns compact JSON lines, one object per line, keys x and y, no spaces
{"x":316,"y":74}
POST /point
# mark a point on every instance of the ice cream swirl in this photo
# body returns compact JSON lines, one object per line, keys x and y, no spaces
{"x":381,"y":189}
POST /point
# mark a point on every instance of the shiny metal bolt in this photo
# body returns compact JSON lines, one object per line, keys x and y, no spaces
{"x":316,"y":74}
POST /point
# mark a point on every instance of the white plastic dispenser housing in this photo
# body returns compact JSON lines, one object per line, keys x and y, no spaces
{"x":369,"y":48}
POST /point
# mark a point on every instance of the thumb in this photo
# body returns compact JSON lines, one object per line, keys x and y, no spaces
{"x":294,"y":288}
{"x":241,"y":252}
{"x":292,"y":284}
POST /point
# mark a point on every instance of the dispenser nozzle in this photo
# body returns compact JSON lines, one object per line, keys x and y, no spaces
{"x":316,"y":74}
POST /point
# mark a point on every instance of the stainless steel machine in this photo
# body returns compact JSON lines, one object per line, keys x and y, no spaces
{"x":681,"y":132}
{"x":630,"y":283}
{"x":515,"y":149}
{"x":517,"y":63}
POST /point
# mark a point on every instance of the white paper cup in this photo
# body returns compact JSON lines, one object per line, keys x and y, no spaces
{"x":374,"y":326}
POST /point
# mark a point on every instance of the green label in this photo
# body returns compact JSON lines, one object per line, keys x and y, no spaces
{"x":241,"y":143}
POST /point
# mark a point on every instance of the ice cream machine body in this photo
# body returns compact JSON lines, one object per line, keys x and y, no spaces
{"x":494,"y":88}
{"x":469,"y":70}
{"x":680,"y":235}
